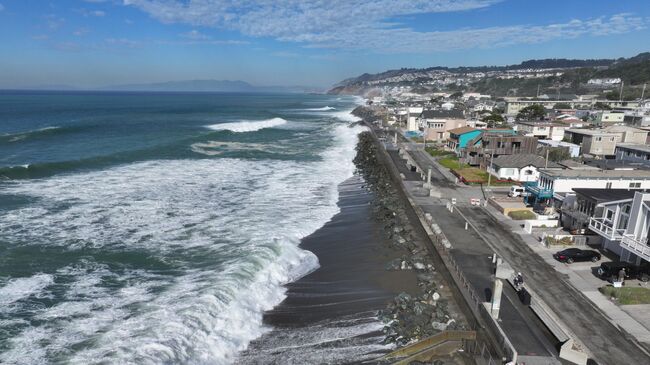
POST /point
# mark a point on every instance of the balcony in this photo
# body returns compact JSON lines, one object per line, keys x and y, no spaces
{"x":636,"y":246}
{"x":604,"y":228}
{"x":539,"y":192}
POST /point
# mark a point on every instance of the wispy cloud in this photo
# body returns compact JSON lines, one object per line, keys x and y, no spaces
{"x":2,"y":7}
{"x":81,"y":32}
{"x":364,"y":24}
{"x":89,"y":13}
{"x":195,"y":35}
{"x":53,"y":22}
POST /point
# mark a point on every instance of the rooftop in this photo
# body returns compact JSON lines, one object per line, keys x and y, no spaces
{"x":446,"y":114}
{"x":591,"y":132}
{"x":598,"y":174}
{"x":462,"y":130}
{"x":520,"y":160}
{"x":606,"y":195}
{"x":634,"y":147}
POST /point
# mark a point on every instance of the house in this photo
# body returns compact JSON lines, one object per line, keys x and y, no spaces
{"x":496,"y":144}
{"x":608,"y":117}
{"x":593,"y":141}
{"x":409,"y":116}
{"x":459,"y":137}
{"x":578,"y":208}
{"x":627,"y":134}
{"x":633,"y":153}
{"x":514,"y":105}
{"x":542,"y":130}
{"x":564,"y":181}
{"x":624,"y":225}
{"x":574,"y":149}
{"x":519,"y":167}
{"x":437,"y":123}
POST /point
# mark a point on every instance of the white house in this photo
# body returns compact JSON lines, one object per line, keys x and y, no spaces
{"x":564,"y":181}
{"x":624,"y":226}
{"x":574,"y":149}
{"x":553,"y":131}
{"x":412,"y":114}
{"x":519,"y":167}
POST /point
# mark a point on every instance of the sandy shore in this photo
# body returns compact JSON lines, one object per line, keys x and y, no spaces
{"x":330,"y":315}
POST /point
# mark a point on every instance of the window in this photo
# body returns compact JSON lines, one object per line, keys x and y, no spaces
{"x":635,"y":185}
{"x":528,"y":172}
{"x":608,"y":185}
{"x":609,"y":215}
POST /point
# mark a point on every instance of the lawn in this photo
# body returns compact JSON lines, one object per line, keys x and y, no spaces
{"x":437,"y":152}
{"x":627,"y":295}
{"x":519,"y":215}
{"x":450,"y":162}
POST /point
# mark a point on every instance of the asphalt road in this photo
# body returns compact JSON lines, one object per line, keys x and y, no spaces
{"x":607,"y":344}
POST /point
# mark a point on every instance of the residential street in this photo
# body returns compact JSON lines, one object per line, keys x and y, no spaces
{"x":604,"y":342}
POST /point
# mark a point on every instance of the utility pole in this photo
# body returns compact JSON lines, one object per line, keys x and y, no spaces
{"x":620,"y":95}
{"x":546,"y":162}
{"x":490,"y":173}
{"x":643,"y":92}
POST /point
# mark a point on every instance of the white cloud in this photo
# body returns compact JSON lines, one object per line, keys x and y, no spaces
{"x":364,"y":24}
{"x":81,"y":32}
{"x":2,"y":7}
{"x":195,"y":35}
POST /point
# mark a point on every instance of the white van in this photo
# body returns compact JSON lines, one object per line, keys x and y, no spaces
{"x":516,"y":190}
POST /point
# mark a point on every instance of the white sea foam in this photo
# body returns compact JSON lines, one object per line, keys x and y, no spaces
{"x":248,"y":125}
{"x":346,"y":116}
{"x":244,"y":218}
{"x":325,"y":108}
{"x":20,"y":288}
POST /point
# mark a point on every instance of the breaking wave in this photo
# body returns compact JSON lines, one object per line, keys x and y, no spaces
{"x":19,"y":136}
{"x":248,"y":125}
{"x":226,"y":231}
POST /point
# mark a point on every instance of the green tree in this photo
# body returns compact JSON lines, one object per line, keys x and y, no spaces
{"x":494,"y":120}
{"x":561,"y":106}
{"x":532,"y":112}
{"x":602,"y":106}
{"x":557,"y":154}
{"x":456,"y":95}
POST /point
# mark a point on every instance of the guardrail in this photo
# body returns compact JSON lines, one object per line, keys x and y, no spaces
{"x":604,"y":228}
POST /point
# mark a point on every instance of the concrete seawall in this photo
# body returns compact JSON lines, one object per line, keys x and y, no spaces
{"x":462,"y":294}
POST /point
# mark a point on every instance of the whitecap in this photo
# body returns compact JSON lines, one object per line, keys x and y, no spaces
{"x":248,"y":125}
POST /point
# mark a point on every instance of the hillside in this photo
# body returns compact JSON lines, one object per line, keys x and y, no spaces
{"x":525,"y":79}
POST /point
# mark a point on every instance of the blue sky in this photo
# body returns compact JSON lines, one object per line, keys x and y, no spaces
{"x":90,"y":43}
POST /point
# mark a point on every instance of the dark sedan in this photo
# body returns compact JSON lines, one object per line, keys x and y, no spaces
{"x":571,"y":255}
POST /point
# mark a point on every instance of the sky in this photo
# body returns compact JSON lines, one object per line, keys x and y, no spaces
{"x":95,"y":43}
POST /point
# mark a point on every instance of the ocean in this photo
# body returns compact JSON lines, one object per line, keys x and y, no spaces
{"x":159,"y":228}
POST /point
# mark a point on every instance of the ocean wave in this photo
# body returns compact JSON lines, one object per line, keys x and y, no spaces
{"x":19,"y":136}
{"x":243,"y":218}
{"x":248,"y":125}
{"x":216,"y":148}
{"x":21,"y":288}
{"x":325,"y":108}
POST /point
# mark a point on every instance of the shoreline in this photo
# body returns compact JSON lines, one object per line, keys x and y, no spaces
{"x":376,"y":287}
{"x":332,"y":314}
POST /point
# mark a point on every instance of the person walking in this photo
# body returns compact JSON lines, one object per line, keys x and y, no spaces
{"x":621,"y":276}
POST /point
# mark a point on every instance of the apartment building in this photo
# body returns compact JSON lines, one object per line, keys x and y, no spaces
{"x":436,"y":124}
{"x":624,"y":225}
{"x":488,"y":144}
{"x":593,"y":141}
{"x":542,"y":130}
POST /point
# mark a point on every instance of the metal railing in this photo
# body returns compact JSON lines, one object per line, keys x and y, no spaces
{"x":637,"y":246}
{"x":604,"y":227}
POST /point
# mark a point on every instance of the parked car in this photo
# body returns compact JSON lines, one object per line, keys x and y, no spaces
{"x":571,"y":255}
{"x":516,"y":191}
{"x":609,"y":270}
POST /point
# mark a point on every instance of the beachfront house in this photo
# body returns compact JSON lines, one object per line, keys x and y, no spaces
{"x":624,"y":225}
{"x":519,"y":167}
{"x":436,"y":124}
